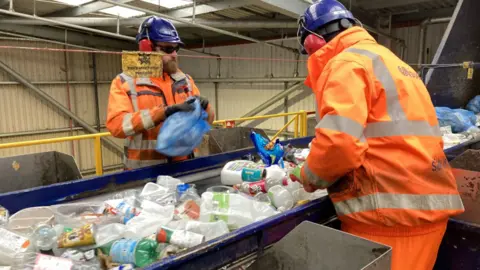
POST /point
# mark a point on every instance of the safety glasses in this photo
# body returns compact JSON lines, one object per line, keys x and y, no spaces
{"x":167,"y":49}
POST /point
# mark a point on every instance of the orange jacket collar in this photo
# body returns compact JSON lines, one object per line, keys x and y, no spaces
{"x":344,"y":40}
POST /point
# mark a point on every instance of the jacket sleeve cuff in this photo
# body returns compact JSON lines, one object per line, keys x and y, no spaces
{"x":312,"y":178}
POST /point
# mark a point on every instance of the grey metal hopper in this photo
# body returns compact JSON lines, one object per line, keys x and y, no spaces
{"x":313,"y":246}
{"x":34,"y":170}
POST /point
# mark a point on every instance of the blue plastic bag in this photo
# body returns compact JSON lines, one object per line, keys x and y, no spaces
{"x":460,"y":120}
{"x":270,"y":157}
{"x":182,"y":132}
{"x":474,"y":105}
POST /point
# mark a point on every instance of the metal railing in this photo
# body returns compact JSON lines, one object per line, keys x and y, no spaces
{"x":299,"y":129}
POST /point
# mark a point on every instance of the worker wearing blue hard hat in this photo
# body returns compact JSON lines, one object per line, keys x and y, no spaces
{"x":377,"y":146}
{"x":138,"y":107}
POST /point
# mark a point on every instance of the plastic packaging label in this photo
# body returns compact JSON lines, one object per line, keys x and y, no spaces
{"x":13,"y":241}
{"x":223,"y":202}
{"x":82,"y":236}
{"x":252,"y":174}
{"x":240,"y":165}
{"x":123,"y":251}
{"x":45,"y":262}
{"x":3,"y":216}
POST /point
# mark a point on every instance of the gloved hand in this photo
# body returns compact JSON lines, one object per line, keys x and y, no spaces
{"x":203,"y":102}
{"x":296,"y":176}
{"x":186,"y":106}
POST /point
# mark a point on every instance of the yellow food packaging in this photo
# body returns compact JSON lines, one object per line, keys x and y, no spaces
{"x":78,"y":237}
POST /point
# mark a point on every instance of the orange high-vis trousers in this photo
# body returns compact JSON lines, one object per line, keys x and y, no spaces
{"x":412,"y":248}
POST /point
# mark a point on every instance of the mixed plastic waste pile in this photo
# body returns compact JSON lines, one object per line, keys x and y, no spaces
{"x":136,"y":228}
{"x":459,"y":125}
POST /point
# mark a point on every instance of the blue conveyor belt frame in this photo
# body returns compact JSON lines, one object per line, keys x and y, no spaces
{"x":459,"y":247}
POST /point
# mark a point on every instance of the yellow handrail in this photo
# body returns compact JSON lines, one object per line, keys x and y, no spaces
{"x":299,"y":120}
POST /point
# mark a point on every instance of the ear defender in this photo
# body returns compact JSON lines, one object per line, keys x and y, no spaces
{"x":145,"y":45}
{"x":313,"y":43}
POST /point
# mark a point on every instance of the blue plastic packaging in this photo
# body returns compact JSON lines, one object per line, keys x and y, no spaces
{"x":270,"y":157}
{"x":474,"y":105}
{"x":460,"y":120}
{"x":181,"y":188}
{"x":182,"y":132}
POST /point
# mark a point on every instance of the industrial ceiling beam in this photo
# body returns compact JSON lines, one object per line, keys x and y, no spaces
{"x":291,"y":8}
{"x":73,"y":37}
{"x":92,"y":30}
{"x":423,"y":14}
{"x":380,"y":4}
{"x":84,"y":9}
{"x":101,"y":22}
{"x":210,"y":7}
{"x":188,"y":22}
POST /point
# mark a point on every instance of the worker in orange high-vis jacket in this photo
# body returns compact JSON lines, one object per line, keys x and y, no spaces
{"x":377,"y":145}
{"x":138,"y":107}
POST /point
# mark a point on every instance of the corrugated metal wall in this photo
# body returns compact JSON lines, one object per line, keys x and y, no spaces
{"x":411,"y":35}
{"x":22,"y":111}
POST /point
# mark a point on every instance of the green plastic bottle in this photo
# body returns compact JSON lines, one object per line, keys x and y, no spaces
{"x":138,"y":252}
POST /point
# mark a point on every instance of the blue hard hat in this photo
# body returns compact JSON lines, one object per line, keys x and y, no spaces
{"x":322,"y":13}
{"x":158,"y":30}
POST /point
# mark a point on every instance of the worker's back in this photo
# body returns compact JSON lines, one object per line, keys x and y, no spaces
{"x":404,"y":179}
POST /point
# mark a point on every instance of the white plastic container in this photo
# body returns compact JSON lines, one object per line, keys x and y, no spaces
{"x":237,"y":171}
{"x":274,"y":176}
{"x":152,"y":189}
{"x":281,"y":198}
{"x":12,"y":244}
{"x":210,"y":230}
{"x":168,"y":182}
{"x":236,"y":209}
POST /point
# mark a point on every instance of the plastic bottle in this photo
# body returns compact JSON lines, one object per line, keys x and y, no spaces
{"x":34,"y":261}
{"x":12,"y":244}
{"x":45,"y":238}
{"x":180,"y":238}
{"x":275,"y":176}
{"x":138,"y":252}
{"x":251,"y":188}
{"x":237,"y":171}
{"x":281,"y":198}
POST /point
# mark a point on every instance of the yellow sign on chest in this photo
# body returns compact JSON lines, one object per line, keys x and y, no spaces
{"x":142,"y":64}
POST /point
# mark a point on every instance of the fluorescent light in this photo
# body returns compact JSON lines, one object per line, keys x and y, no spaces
{"x":169,"y":3}
{"x":74,"y":2}
{"x":122,"y":12}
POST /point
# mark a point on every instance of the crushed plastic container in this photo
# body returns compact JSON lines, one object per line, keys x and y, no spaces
{"x":11,"y":245}
{"x":236,"y":209}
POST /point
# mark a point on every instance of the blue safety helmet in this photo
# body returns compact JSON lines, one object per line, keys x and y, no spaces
{"x":158,"y":29}
{"x":321,"y":14}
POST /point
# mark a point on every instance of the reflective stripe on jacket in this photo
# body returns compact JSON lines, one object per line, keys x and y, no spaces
{"x":377,"y":145}
{"x":136,"y":110}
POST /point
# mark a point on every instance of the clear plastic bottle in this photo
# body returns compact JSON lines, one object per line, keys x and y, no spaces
{"x":32,"y":261}
{"x":139,"y":252}
{"x":12,"y":244}
{"x":44,"y":237}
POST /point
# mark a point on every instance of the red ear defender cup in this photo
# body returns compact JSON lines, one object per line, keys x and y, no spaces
{"x":313,"y":43}
{"x":145,"y":45}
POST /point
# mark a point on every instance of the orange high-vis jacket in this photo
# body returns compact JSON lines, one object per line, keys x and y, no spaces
{"x":377,"y":146}
{"x":136,"y":111}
